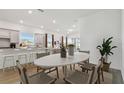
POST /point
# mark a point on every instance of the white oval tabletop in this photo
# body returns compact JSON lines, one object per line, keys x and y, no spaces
{"x":55,"y":60}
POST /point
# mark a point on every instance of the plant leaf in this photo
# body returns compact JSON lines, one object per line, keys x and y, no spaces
{"x":111,"y":53}
{"x":99,"y":47}
{"x":113,"y":47}
{"x":109,"y":39}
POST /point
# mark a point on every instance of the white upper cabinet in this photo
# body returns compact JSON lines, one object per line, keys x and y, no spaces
{"x":14,"y":36}
{"x":4,"y":33}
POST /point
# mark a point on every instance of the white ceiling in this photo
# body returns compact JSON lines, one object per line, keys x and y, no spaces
{"x":65,"y":18}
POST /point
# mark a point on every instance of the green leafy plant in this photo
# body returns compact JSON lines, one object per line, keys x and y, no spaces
{"x":71,"y":45}
{"x":106,"y":47}
{"x":63,"y":51}
{"x":63,"y":48}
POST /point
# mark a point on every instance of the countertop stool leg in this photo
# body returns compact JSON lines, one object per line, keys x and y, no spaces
{"x":26,"y":60}
{"x":63,"y":69}
{"x":4,"y":60}
{"x":3,"y":64}
{"x":71,"y":67}
{"x":14,"y":63}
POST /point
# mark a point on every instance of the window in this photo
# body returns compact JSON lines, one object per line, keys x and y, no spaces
{"x":75,"y":41}
{"x":26,"y":39}
{"x":49,"y":41}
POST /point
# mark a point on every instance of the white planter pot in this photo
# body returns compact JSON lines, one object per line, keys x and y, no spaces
{"x":71,"y":50}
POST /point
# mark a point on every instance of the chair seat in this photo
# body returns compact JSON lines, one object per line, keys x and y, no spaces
{"x":46,"y":69}
{"x":77,"y":78}
{"x":81,"y":63}
{"x":87,"y":66}
{"x":41,"y":78}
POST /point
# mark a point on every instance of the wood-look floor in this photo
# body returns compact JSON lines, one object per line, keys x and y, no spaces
{"x":11,"y":75}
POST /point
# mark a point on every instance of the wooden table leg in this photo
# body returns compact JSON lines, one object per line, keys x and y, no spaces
{"x":57,"y":71}
{"x":65,"y":71}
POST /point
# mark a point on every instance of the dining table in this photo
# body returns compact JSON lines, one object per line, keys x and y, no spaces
{"x":55,"y":60}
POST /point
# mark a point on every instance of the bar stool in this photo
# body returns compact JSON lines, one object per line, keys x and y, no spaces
{"x":8,"y":61}
{"x":23,"y":58}
{"x":32,"y":57}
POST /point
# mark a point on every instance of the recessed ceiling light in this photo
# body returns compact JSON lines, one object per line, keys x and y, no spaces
{"x":73,"y":26}
{"x":30,"y":12}
{"x":54,"y":21}
{"x":42,"y":27}
{"x":21,"y":21}
{"x":70,"y":30}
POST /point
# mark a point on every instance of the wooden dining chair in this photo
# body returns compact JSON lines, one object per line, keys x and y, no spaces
{"x":38,"y":78}
{"x":72,"y":67}
{"x":46,"y":69}
{"x":82,"y":62}
{"x":78,"y":77}
{"x":88,"y":67}
{"x":85,"y":61}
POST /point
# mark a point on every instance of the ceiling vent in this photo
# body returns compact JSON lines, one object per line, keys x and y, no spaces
{"x":41,"y":10}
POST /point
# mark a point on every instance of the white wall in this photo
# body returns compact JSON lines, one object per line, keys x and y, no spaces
{"x":74,"y":35}
{"x":57,"y":37}
{"x":123,"y":43}
{"x":98,"y":26}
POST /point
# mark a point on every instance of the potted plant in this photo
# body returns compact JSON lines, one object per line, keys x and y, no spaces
{"x":71,"y":49}
{"x":63,"y":51}
{"x":106,"y":50}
